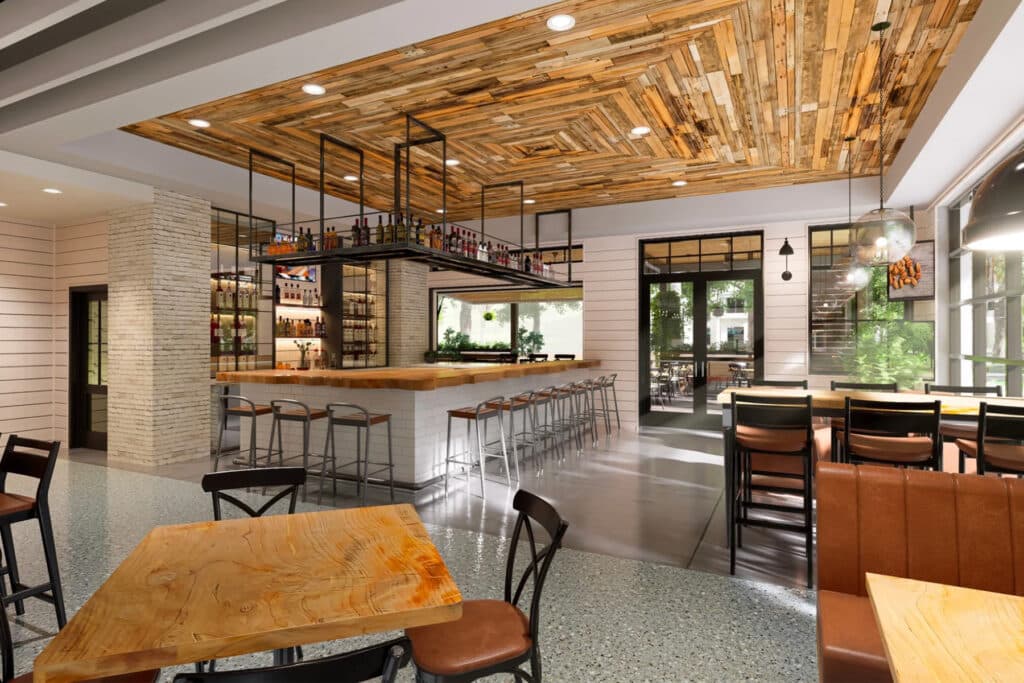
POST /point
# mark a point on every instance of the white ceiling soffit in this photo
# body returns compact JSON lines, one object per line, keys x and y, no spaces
{"x":20,"y":19}
{"x":979,"y":96}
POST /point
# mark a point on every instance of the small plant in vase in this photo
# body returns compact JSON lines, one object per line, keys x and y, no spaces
{"x":303,"y":350}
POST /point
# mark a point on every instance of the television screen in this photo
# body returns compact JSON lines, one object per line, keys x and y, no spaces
{"x":296,"y":273}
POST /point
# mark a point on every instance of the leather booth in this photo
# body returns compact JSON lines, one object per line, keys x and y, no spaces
{"x":958,"y":529}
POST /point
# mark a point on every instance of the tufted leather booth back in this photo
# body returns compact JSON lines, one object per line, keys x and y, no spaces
{"x":958,"y":529}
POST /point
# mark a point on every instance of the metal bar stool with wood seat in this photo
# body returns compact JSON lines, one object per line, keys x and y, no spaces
{"x":526,"y":438}
{"x":36,"y":460}
{"x":608,"y":382}
{"x":545,"y":419}
{"x":774,"y":452}
{"x":837,"y":422}
{"x":477,"y":418}
{"x":998,"y":444}
{"x":565,"y":415}
{"x":290,"y":410}
{"x":352,"y":415}
{"x":900,"y":433}
{"x":583,"y":407}
{"x":243,"y":408}
{"x":495,"y":636}
{"x":951,"y":431}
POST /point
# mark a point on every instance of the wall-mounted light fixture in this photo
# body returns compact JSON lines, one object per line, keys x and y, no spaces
{"x":787,"y":251}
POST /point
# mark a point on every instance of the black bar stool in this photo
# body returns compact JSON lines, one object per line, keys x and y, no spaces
{"x":351,"y":415}
{"x":290,"y":410}
{"x":477,"y":417}
{"x":33,"y":459}
{"x":244,"y":408}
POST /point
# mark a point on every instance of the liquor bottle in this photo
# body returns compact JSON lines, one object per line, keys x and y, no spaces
{"x":357,"y":237}
{"x":526,"y":264}
{"x":364,"y":232}
{"x":220,"y":295}
{"x":237,"y":329}
{"x":380,"y":229}
{"x":214,"y":332}
{"x":309,"y":238}
{"x":319,"y":327}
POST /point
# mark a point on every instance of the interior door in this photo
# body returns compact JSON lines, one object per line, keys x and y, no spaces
{"x":89,"y":348}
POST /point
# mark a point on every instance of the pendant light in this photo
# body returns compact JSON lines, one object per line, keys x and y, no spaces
{"x":787,"y":251}
{"x":882,"y":235}
{"x":856,"y":275}
{"x":997,"y":210}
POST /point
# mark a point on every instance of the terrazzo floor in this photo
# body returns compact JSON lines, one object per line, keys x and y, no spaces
{"x":605,"y":618}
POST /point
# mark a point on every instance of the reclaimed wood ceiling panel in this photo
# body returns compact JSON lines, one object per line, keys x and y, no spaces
{"x":739,"y":94}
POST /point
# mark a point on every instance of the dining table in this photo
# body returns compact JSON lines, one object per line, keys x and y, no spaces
{"x":207,"y":590}
{"x":936,"y":632}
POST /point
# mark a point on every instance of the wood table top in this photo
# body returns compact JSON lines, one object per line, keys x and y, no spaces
{"x":826,"y":399}
{"x":208,"y":590}
{"x":420,"y":378}
{"x":933,"y":632}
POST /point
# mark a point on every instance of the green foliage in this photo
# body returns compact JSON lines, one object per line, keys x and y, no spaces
{"x":529,"y":342}
{"x":488,"y":316}
{"x":459,"y":341}
{"x":666,"y":321}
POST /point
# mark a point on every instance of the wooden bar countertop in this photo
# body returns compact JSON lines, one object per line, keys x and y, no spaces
{"x":418,"y":378}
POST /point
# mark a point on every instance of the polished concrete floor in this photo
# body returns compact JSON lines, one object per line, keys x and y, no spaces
{"x":605,"y":618}
{"x":654,"y":496}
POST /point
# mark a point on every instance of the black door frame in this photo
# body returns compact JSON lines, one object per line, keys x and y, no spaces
{"x":699,"y":418}
{"x":78,"y":350}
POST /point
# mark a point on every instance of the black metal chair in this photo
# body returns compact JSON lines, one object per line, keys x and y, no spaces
{"x":7,"y":662}
{"x":378,"y":662}
{"x":494,"y":636}
{"x":773,"y":454}
{"x":998,"y":444}
{"x":951,"y":431}
{"x":34,"y":459}
{"x":538,"y":357}
{"x":900,"y":433}
{"x":838,"y":424}
{"x":565,"y":356}
{"x":219,"y":483}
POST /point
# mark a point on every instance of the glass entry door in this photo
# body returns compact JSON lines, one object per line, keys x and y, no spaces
{"x":701,"y":323}
{"x":89,"y":353}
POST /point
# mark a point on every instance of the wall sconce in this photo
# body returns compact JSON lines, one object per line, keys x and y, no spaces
{"x":787,"y":251}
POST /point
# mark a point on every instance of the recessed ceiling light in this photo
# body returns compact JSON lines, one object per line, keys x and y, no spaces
{"x":313,"y":89}
{"x":3,"y":204}
{"x":529,"y":201}
{"x":1019,"y":167}
{"x":561,"y":22}
{"x":451,"y":162}
{"x":351,"y":178}
{"x":640,"y":130}
{"x":438,"y":210}
{"x":52,"y":190}
{"x":678,"y":183}
{"x":199,"y":123}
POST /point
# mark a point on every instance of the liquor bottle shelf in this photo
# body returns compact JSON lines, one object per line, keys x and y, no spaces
{"x":284,"y":304}
{"x":232,"y":311}
{"x":309,"y":338}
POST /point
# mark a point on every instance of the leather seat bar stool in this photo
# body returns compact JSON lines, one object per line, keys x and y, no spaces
{"x":998,"y":443}
{"x":476,"y":418}
{"x":950,"y":430}
{"x":352,"y":415}
{"x":33,"y":459}
{"x":901,"y":433}
{"x":837,"y":422}
{"x":242,"y":408}
{"x":524,"y":406}
{"x":290,"y":410}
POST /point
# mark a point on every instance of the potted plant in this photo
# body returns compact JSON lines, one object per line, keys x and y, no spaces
{"x":303,"y":350}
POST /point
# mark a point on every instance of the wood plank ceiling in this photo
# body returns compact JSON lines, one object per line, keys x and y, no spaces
{"x":739,"y":94}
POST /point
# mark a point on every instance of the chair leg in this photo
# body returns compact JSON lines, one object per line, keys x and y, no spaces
{"x":480,"y":455}
{"x":447,"y":456}
{"x":515,"y":446}
{"x":12,"y":565}
{"x":359,"y":461}
{"x":329,"y":450}
{"x":274,"y":427}
{"x":615,"y":397}
{"x":220,"y":439}
{"x":280,"y":446}
{"x":366,"y":465}
{"x":963,"y":463}
{"x":504,"y":451}
{"x":391,"y":465}
{"x":808,"y":522}
{"x":52,"y":569}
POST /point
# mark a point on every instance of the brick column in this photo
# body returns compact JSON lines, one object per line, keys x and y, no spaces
{"x":409,"y":315}
{"x":159,"y":378}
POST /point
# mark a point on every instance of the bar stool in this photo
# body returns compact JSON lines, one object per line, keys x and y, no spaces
{"x":245,"y":408}
{"x":545,"y":418}
{"x":477,"y":417}
{"x":524,"y":405}
{"x":360,"y":418}
{"x":564,"y":416}
{"x":583,"y":413}
{"x":302,"y":414}
{"x":608,"y":382}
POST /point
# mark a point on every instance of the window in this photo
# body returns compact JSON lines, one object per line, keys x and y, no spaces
{"x":866,"y":336}
{"x":986,"y":310}
{"x":695,"y":254}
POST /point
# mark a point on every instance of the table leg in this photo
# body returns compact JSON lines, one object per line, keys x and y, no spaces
{"x":728,"y":445}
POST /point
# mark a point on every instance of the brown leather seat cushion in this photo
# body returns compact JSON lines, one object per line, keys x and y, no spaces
{"x":958,"y":430}
{"x":772,"y":440}
{"x":138,"y":677}
{"x":1003,"y":455}
{"x":246,"y":411}
{"x":849,"y":645}
{"x":359,"y":420}
{"x":11,"y":503}
{"x":314,"y":413}
{"x":489,"y":632}
{"x":902,"y":449}
{"x":470,"y":413}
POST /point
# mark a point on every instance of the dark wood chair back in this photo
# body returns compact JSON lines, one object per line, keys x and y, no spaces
{"x":219,"y":483}
{"x":780,"y":383}
{"x":565,"y":356}
{"x":533,"y":510}
{"x":538,"y":357}
{"x":773,"y":412}
{"x":958,"y":390}
{"x":893,"y":418}
{"x":865,"y":386}
{"x":30,"y":458}
{"x":377,"y":662}
{"x":1001,"y":423}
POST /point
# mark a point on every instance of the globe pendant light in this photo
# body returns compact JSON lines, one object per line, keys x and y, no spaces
{"x":997,"y":210}
{"x":882,"y":235}
{"x":856,"y":275}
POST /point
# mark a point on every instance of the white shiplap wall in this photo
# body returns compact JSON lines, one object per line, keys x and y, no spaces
{"x":81,"y":260}
{"x":26,"y":330}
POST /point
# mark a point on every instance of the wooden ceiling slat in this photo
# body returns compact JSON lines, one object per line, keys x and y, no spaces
{"x":739,"y":94}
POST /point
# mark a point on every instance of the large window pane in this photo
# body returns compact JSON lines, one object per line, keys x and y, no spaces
{"x":551,"y":327}
{"x":467,"y":326}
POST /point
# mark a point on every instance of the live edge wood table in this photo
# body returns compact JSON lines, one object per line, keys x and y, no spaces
{"x":417,"y":398}
{"x":203,"y":591}
{"x":933,"y":632}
